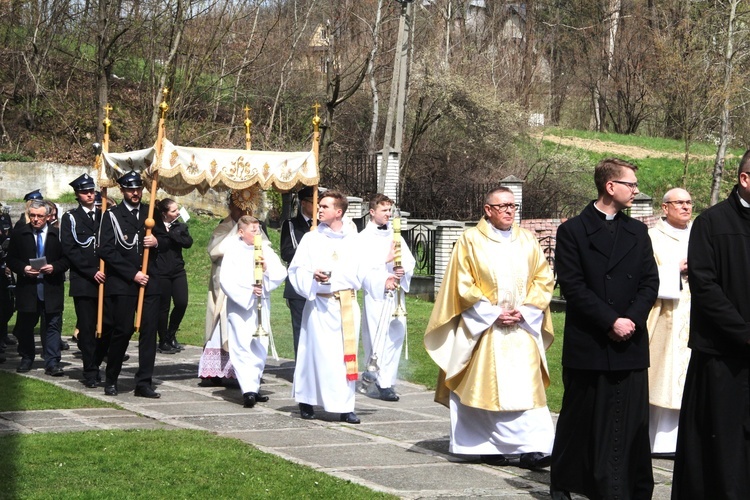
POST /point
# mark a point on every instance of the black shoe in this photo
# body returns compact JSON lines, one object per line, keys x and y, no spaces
{"x":260,"y":398}
{"x":249,"y":399}
{"x":558,"y":494}
{"x":54,"y":371}
{"x":8,"y":340}
{"x":494,"y":460}
{"x":64,"y":346}
{"x":176,"y":345}
{"x":306,"y":411}
{"x":91,"y":384}
{"x":24,"y":366}
{"x":388,"y":394}
{"x":349,"y":418}
{"x":165,"y":348}
{"x":110,"y":390}
{"x":146,"y":392}
{"x":535,"y":460}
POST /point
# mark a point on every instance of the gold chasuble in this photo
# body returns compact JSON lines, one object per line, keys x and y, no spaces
{"x":504,"y":368}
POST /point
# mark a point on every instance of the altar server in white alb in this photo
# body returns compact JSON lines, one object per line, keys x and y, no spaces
{"x":669,"y":321}
{"x":327,"y":269}
{"x":384,"y":326}
{"x":249,"y":272}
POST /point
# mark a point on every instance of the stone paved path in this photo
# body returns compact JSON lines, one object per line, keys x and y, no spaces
{"x":400,"y":448}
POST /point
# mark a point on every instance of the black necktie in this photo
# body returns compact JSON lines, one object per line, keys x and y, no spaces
{"x":91,"y":215}
{"x":309,"y":222}
{"x":134,"y":212}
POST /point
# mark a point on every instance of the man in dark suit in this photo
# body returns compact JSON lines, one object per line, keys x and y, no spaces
{"x":607,"y":273}
{"x":35,"y":255}
{"x":291,"y":233}
{"x":78,"y":233}
{"x":121,"y":245}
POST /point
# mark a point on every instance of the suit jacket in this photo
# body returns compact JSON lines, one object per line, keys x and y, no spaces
{"x":169,"y":260}
{"x":292,"y":232}
{"x":22,"y":248}
{"x":603,"y":279}
{"x":123,"y":252}
{"x":78,"y":235}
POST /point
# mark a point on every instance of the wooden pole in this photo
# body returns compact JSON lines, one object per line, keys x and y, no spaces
{"x":316,"y":152}
{"x":248,"y":123}
{"x":149,"y":222}
{"x":105,"y":148}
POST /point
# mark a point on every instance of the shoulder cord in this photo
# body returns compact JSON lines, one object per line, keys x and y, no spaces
{"x":83,"y":244}
{"x":291,"y":233}
{"x":119,"y":237}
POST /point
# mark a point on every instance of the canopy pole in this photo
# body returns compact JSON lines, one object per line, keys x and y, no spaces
{"x":248,"y":123}
{"x":150,"y":222}
{"x":98,"y":165}
{"x":316,"y":151}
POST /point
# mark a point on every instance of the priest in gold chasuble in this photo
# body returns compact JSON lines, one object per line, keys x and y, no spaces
{"x":488,"y":333}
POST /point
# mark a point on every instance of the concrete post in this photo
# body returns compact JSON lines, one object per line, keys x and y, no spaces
{"x":642,"y":206}
{"x":446,"y":235}
{"x":516,"y":185}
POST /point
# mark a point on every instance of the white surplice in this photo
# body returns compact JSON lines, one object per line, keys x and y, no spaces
{"x":388,"y":340}
{"x":237,"y":277}
{"x":320,"y":376}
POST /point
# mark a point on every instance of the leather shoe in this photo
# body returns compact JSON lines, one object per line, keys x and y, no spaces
{"x":494,"y":460}
{"x":535,"y":460}
{"x":259,"y":398}
{"x":110,"y":390}
{"x":24,"y":366}
{"x":54,"y":371}
{"x":306,"y":411}
{"x":89,"y":383}
{"x":176,"y":345}
{"x":165,"y":348}
{"x":349,"y":418}
{"x":249,"y":399}
{"x":388,"y":394}
{"x":8,"y":340}
{"x":146,"y":392}
{"x":558,"y":494}
{"x":64,"y":346}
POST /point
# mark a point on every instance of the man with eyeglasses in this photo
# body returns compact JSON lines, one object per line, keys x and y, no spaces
{"x":488,"y":333}
{"x":713,"y":444}
{"x":668,"y":323}
{"x":35,"y":255}
{"x":608,"y":276}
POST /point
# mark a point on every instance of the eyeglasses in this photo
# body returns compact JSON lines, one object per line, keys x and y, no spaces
{"x":505,"y":207}
{"x":38,"y":216}
{"x":632,"y":185}
{"x":681,"y":203}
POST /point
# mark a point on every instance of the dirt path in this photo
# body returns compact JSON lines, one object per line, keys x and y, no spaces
{"x":615,"y":149}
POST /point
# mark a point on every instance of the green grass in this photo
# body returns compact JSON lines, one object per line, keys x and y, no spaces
{"x":157,"y":464}
{"x":19,"y":393}
{"x":662,"y":145}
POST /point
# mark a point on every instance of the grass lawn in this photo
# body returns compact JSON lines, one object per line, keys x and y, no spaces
{"x":23,"y":393}
{"x":157,"y":464}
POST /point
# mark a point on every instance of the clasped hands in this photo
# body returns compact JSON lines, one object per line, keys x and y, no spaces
{"x":509,"y":317}
{"x":622,"y":330}
{"x":32,"y":273}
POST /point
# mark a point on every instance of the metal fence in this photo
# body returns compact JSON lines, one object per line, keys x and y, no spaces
{"x":420,"y":238}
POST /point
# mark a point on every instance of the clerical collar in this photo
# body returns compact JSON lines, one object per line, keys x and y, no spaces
{"x":742,"y":200}
{"x":503,"y":234}
{"x":675,"y":231}
{"x":605,"y":215}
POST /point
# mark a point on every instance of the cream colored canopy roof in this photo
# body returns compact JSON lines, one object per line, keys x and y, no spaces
{"x":185,"y":169}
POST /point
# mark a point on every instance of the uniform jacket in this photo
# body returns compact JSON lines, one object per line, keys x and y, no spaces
{"x":78,"y":234}
{"x":603,"y":279}
{"x":169,"y":261}
{"x":292,"y":232}
{"x":22,"y":248}
{"x":123,"y":252}
{"x":719,"y":275}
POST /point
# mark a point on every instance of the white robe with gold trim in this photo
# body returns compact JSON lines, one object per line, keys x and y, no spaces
{"x":669,"y":328}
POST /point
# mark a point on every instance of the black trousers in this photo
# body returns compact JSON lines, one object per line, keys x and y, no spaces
{"x":49,"y":332}
{"x":296,"y":306}
{"x":123,"y":309}
{"x":172,"y":290}
{"x":7,"y":306}
{"x":92,"y":349}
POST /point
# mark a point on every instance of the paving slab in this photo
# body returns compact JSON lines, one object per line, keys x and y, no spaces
{"x":399,"y":448}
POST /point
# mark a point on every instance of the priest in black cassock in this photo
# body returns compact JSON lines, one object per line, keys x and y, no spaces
{"x":713,"y":442}
{"x":607,"y":273}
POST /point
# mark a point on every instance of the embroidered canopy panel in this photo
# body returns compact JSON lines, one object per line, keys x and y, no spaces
{"x":185,"y":169}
